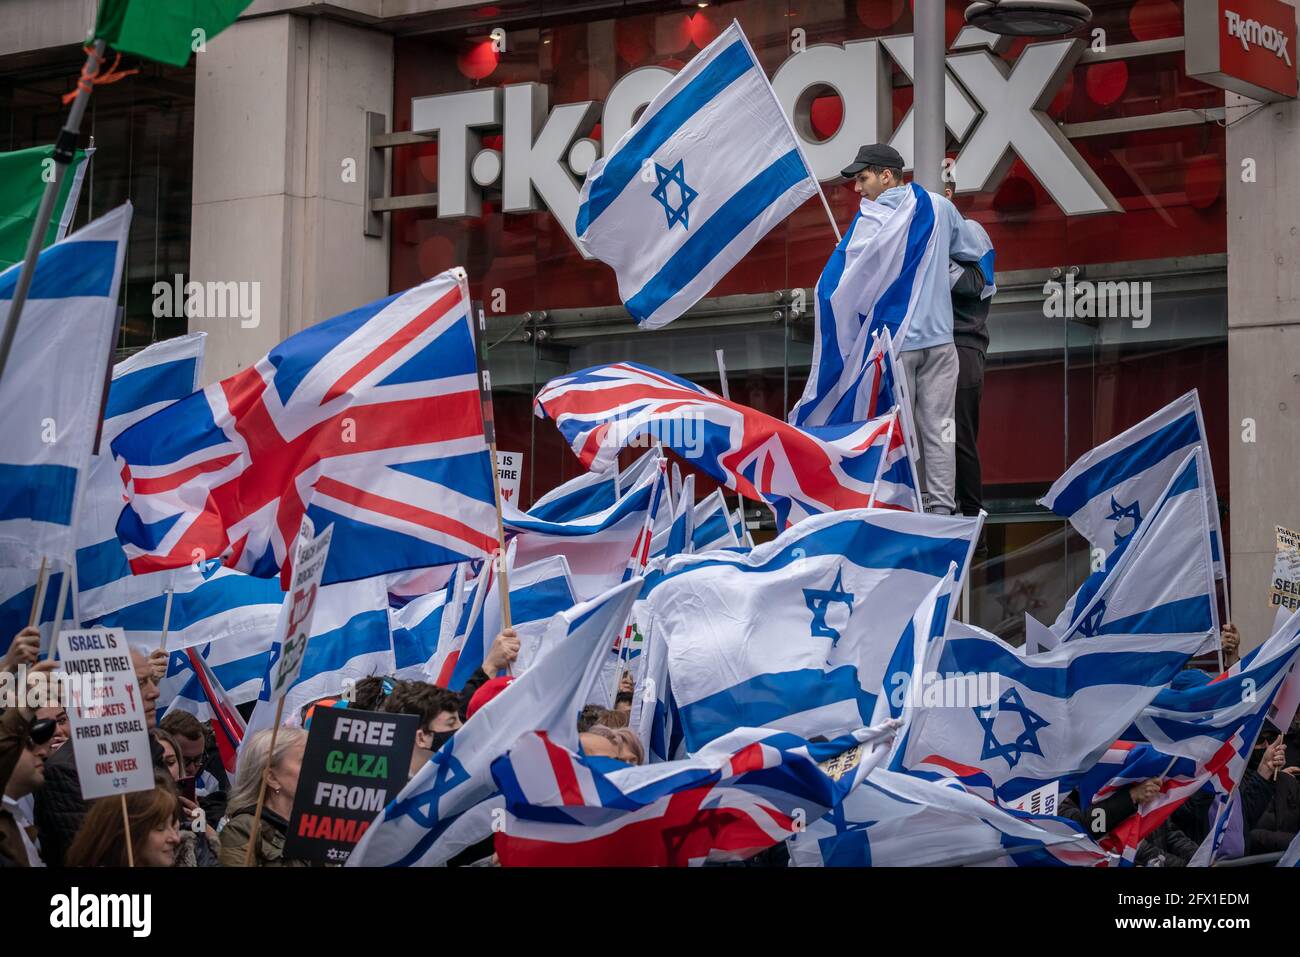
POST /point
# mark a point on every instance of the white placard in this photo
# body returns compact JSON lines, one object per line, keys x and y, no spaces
{"x":1038,"y":801}
{"x":106,"y":713}
{"x":294,"y":627}
{"x":510,"y":467}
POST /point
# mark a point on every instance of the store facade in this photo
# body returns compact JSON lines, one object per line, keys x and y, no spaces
{"x":342,"y":151}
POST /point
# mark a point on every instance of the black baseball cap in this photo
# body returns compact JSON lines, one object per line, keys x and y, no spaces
{"x":877,"y":154}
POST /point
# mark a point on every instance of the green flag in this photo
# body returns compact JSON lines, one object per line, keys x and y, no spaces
{"x":164,"y":30}
{"x":23,"y":175}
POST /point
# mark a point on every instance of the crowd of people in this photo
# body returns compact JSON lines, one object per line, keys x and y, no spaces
{"x":196,"y":816}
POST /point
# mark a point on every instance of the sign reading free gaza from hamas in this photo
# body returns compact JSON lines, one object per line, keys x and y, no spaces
{"x":354,"y":764}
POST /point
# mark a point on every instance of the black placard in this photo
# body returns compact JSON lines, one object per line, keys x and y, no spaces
{"x":354,"y":764}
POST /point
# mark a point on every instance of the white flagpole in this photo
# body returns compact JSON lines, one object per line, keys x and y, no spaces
{"x":726,"y":394}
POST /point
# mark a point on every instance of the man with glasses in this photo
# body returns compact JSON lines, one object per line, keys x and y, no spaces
{"x":200,"y":762}
{"x":59,"y":804}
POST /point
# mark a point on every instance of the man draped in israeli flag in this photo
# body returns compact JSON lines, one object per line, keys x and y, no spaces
{"x":1159,"y":580}
{"x":53,"y":387}
{"x":891,"y":270}
{"x":1109,"y":491}
{"x":439,"y":812}
{"x":798,"y":634}
{"x":708,"y":169}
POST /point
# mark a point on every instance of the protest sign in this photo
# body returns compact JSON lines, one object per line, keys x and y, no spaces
{"x":1286,"y":571}
{"x":294,"y":627}
{"x":109,"y":739}
{"x":354,"y":764}
{"x":510,"y":466}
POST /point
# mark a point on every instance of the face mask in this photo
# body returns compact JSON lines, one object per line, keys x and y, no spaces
{"x":439,"y":739}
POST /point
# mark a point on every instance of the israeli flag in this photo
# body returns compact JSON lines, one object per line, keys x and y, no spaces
{"x":593,"y":492}
{"x":599,"y":546}
{"x":1005,"y":725}
{"x":349,"y":641}
{"x":675,"y":537}
{"x":712,"y":524}
{"x":53,"y":387}
{"x":420,"y":827}
{"x":712,"y":165}
{"x":798,"y":634}
{"x":538,"y":592}
{"x":891,"y":264}
{"x":1109,"y":491}
{"x":1160,"y":580}
{"x":208,"y":603}
{"x":898,"y":820}
{"x":237,"y":661}
{"x":423,"y":624}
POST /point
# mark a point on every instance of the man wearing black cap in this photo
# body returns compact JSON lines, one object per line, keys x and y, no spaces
{"x":926,"y":348}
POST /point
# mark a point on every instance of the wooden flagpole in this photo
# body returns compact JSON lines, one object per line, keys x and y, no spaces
{"x":126,"y":830}
{"x":39,"y":598}
{"x":726,"y":394}
{"x":490,"y":434}
{"x":261,"y":791}
{"x":167,"y":618}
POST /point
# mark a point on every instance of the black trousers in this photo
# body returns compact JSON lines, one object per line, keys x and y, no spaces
{"x":966,"y":410}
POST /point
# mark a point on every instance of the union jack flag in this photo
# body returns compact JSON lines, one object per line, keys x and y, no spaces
{"x":370,"y":421}
{"x":798,"y":472}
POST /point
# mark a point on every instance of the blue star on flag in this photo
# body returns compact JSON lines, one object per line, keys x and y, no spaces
{"x":819,"y":601}
{"x":1025,"y":743}
{"x":1120,"y":512}
{"x":1091,"y":623}
{"x":665,"y":177}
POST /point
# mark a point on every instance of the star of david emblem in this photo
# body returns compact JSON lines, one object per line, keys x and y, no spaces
{"x":685,"y":195}
{"x":1120,"y":512}
{"x":1091,"y":623}
{"x":819,"y":601}
{"x":1025,"y":743}
{"x":422,"y":807}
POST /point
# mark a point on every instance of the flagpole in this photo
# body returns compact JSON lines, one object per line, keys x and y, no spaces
{"x":261,"y":791}
{"x":167,"y":618}
{"x":126,"y":828}
{"x":38,"y":599}
{"x":490,"y":434}
{"x":726,"y":394}
{"x":798,"y":143}
{"x":58,"y":614}
{"x":65,"y":151}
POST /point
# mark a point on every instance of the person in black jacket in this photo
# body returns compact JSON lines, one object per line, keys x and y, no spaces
{"x":970,"y":335}
{"x":1280,"y":822}
{"x":60,"y":807}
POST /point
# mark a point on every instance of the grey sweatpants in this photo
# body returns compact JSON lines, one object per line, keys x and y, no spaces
{"x":932,"y":384}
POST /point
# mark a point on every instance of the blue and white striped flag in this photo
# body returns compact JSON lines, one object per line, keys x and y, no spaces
{"x":711,"y":165}
{"x":599,"y":546}
{"x":209,"y":604}
{"x":891,"y":264}
{"x":1159,"y":580}
{"x":592,"y":492}
{"x":420,"y":827}
{"x":1107,"y":493}
{"x":424,"y":624}
{"x":712,"y":524}
{"x":53,"y":387}
{"x":350,"y":640}
{"x":674,"y":538}
{"x":798,"y":634}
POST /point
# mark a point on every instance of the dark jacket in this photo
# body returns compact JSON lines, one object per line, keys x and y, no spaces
{"x":270,"y":840}
{"x":970,"y":313}
{"x":60,"y":807}
{"x":14,"y":729}
{"x":1280,"y":820}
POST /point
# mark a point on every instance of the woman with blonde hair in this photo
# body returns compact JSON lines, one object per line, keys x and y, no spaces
{"x":281,"y":769}
{"x":101,"y":841}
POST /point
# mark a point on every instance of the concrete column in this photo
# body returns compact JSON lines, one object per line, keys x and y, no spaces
{"x":1263,"y":349}
{"x":280,"y":106}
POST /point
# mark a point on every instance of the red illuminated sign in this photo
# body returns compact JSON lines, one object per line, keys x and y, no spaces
{"x":1247,"y":46}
